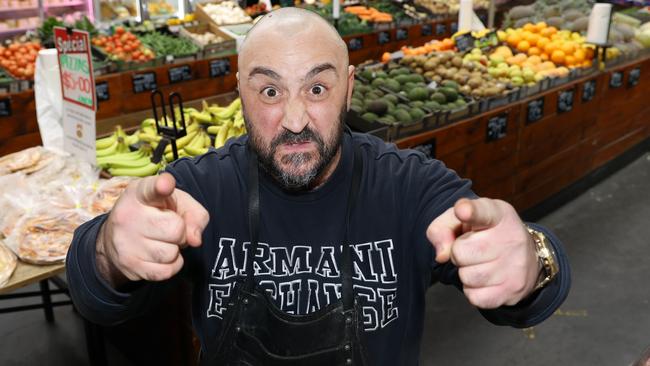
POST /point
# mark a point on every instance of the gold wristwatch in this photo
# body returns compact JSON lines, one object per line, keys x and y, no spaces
{"x":546,"y":257}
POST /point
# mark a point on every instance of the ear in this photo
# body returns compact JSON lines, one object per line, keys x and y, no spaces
{"x":350,"y":85}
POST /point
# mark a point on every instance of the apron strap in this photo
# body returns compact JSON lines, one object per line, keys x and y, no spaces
{"x":347,"y":293}
{"x":253,"y":216}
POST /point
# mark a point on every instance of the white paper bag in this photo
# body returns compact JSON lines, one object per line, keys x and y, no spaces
{"x":49,"y":101}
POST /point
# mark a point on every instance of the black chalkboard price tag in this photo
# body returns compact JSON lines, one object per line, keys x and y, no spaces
{"x":441,"y":29}
{"x":633,"y":77}
{"x":219,"y":67}
{"x":465,"y":42}
{"x":5,"y":107}
{"x":428,"y":148}
{"x":383,"y":37}
{"x":401,"y":34}
{"x":616,"y":79}
{"x":144,"y":82}
{"x":426,"y":30}
{"x":497,"y":127}
{"x":454,"y":27}
{"x":179,"y":74}
{"x":355,"y":43}
{"x":588,"y":90}
{"x":535,"y":110}
{"x":101,"y":91}
{"x":565,"y":101}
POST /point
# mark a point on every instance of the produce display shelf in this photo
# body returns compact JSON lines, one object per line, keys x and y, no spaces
{"x":65,"y":5}
{"x":12,"y":13}
{"x":14,"y":31}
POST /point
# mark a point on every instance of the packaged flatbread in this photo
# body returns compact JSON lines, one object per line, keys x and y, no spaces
{"x":107,"y":193}
{"x":20,"y":160}
{"x":44,"y":237}
{"x":8,"y":264}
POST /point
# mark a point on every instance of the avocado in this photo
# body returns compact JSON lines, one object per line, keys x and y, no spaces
{"x":373,"y":95}
{"x":432,"y":105}
{"x":366,"y":74}
{"x":357,"y":108}
{"x":378,"y":82}
{"x":409,"y":85}
{"x":403,"y":71}
{"x":402,"y":79}
{"x":387,"y":119}
{"x":370,"y":117}
{"x":388,"y":102}
{"x":418,"y":93}
{"x":392,"y":85}
{"x":450,"y":94}
{"x":439,"y":98}
{"x":417,"y":114}
{"x":450,"y":84}
{"x":391,"y":97}
{"x":402,"y":116}
{"x":416,"y":78}
{"x":381,"y":74}
{"x":363,"y":88}
{"x":378,"y":107}
{"x":356,"y":101}
{"x":357,"y":95}
{"x":416,"y":103}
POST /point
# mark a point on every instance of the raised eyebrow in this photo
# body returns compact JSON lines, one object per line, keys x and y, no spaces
{"x":259,"y":70}
{"x":320,"y":68}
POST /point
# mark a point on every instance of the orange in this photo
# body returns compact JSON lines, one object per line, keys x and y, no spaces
{"x":514,"y":39}
{"x":568,"y":48}
{"x":523,"y":46}
{"x":535,"y":59}
{"x":586,"y":63}
{"x":544,"y":56}
{"x":558,"y":57}
{"x":547,"y":65}
{"x":530,"y":27}
{"x":570,"y":60}
{"x":542,"y":42}
{"x":541,"y":26}
{"x":580,"y":55}
{"x":533,"y":39}
{"x":550,"y":47}
{"x":534,"y":51}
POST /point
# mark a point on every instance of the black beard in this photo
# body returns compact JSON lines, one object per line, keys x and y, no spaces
{"x":326,"y":150}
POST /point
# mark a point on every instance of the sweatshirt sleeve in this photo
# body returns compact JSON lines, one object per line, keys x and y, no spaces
{"x":93,"y":297}
{"x":439,"y":190}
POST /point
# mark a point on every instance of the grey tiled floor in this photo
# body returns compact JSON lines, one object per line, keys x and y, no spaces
{"x":605,"y":321}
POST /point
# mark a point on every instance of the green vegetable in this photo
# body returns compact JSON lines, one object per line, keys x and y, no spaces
{"x":164,"y":45}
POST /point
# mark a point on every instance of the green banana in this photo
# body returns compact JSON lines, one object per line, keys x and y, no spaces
{"x":201,"y":117}
{"x":214,"y":129}
{"x":132,"y":139}
{"x":108,"y":151}
{"x":181,"y":142}
{"x":105,"y":142}
{"x":222,"y":136}
{"x":195,"y":151}
{"x":143,"y":171}
{"x":131,"y":163}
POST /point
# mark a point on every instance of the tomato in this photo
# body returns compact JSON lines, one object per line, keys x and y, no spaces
{"x":119,"y":30}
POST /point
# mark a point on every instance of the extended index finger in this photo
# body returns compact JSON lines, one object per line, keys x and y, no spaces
{"x":156,"y":191}
{"x":479,"y":214}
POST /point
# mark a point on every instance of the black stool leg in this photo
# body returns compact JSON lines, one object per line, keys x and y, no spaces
{"x":95,"y":344}
{"x":47,"y":301}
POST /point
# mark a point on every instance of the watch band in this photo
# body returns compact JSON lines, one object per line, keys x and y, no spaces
{"x":546,"y":256}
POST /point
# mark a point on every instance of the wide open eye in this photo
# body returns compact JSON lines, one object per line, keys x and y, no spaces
{"x":270,"y":92}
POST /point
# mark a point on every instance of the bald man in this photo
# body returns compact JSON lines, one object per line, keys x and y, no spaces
{"x":307,"y":244}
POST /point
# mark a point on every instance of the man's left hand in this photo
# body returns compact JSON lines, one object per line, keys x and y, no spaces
{"x":494,"y":253}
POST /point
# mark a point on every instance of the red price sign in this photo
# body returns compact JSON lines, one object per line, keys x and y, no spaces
{"x":75,"y":66}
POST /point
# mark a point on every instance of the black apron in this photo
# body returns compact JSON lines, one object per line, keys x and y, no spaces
{"x":257,"y":333}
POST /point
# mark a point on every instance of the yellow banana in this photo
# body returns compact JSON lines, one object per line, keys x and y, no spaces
{"x":214,"y":129}
{"x":181,"y":142}
{"x":221,"y":136}
{"x":195,"y":151}
{"x":105,"y":142}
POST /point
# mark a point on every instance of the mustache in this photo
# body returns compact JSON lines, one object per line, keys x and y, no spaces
{"x":288,"y":137}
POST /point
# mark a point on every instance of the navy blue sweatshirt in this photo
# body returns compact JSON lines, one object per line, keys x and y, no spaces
{"x":300,"y":235}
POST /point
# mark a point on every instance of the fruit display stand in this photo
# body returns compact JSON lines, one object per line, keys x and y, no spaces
{"x":526,"y":160}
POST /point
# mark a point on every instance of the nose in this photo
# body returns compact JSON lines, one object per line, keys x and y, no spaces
{"x":295,"y":115}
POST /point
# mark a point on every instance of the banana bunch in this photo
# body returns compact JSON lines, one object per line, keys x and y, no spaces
{"x":118,"y":142}
{"x":134,"y":164}
{"x":197,"y":142}
{"x":227,"y":122}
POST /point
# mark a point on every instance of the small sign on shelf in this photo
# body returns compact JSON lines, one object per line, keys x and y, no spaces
{"x":633,"y":77}
{"x":565,"y":101}
{"x":535,"y":110}
{"x":426,"y":30}
{"x":497,"y":127}
{"x":383,"y":37}
{"x":101,"y":90}
{"x":5,"y":107}
{"x":355,"y":44}
{"x":144,"y":82}
{"x":219,"y":67}
{"x":588,"y":90}
{"x":179,"y":74}
{"x":616,"y":79}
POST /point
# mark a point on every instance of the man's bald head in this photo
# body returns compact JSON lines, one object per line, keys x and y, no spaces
{"x":293,"y":26}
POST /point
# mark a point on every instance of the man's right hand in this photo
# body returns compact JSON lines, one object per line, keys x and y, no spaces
{"x":146,"y":229}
